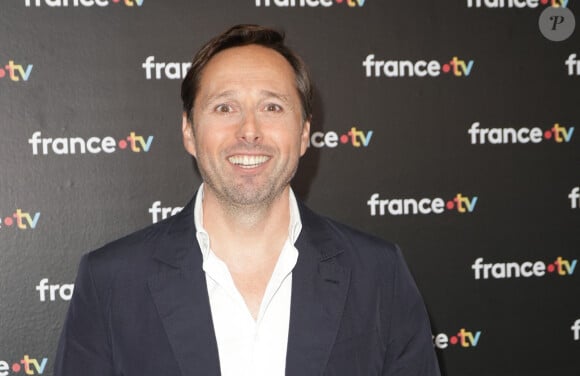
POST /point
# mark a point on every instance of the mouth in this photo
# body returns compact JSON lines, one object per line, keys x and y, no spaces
{"x":248,"y":161}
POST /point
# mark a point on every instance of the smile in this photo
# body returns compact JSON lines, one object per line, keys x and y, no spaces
{"x":248,"y":161}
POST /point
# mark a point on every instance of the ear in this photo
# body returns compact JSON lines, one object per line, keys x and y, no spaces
{"x":305,"y":137}
{"x":188,"y":136}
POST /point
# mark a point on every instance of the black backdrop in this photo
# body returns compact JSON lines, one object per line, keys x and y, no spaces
{"x":88,"y":73}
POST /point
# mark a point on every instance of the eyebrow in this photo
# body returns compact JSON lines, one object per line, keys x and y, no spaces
{"x":227,"y":94}
{"x":269,"y":94}
{"x":212,"y":98}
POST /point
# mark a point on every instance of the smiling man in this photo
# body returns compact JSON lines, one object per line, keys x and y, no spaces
{"x":246,"y":280}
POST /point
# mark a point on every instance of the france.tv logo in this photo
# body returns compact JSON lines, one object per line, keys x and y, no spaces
{"x":354,"y":137}
{"x":26,"y":365}
{"x":516,"y":3}
{"x":309,"y":3}
{"x":159,"y":213}
{"x":455,"y":67}
{"x":505,"y":270}
{"x":16,"y":72}
{"x":524,"y":135}
{"x":80,"y":3}
{"x":92,"y":145}
{"x":464,"y":338}
{"x":20,"y":220}
{"x":410,"y":206}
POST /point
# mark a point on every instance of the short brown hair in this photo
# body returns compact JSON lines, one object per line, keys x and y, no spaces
{"x":243,"y":35}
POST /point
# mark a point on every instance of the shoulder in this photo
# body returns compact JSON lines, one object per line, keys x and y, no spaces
{"x":132,"y":256}
{"x":355,"y":246}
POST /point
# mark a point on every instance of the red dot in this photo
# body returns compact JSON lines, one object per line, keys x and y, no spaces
{"x":2,"y":72}
{"x":446,"y":68}
{"x":453,"y":340}
{"x":339,"y":1}
{"x":551,"y":268}
{"x":8,"y":221}
{"x":344,"y":139}
{"x":115,"y":1}
{"x":450,"y":205}
{"x":548,"y":134}
{"x":122,"y":144}
{"x":16,"y":367}
{"x":544,"y":2}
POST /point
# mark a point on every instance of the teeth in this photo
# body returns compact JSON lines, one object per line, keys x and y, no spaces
{"x":248,"y":161}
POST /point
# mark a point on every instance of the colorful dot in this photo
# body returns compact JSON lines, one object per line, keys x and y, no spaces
{"x":344,"y":139}
{"x":8,"y":221}
{"x":446,"y":68}
{"x":122,"y":144}
{"x":16,"y":367}
{"x":551,"y":268}
{"x":544,"y":2}
{"x":2,"y":73}
{"x":450,"y":205}
{"x":453,"y":340}
{"x":548,"y":135}
{"x":339,"y":1}
{"x":115,"y":1}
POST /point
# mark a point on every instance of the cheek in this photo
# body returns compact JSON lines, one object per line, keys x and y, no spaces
{"x":210,"y":142}
{"x":292,"y":144}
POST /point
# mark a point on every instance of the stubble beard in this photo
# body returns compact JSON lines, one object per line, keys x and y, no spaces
{"x":246,"y":201}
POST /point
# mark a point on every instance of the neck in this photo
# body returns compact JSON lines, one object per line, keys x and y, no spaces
{"x":252,"y":231}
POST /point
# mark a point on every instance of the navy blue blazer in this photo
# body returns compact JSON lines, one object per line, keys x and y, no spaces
{"x":140,"y":307}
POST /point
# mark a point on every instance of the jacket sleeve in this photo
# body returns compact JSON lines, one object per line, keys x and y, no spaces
{"x":84,"y":347}
{"x":408,"y":335}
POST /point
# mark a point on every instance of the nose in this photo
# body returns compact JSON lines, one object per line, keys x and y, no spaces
{"x":249,"y":130}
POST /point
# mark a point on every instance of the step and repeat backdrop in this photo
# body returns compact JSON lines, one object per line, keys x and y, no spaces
{"x":450,"y":128}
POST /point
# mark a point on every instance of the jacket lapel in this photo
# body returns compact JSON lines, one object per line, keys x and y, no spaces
{"x":319,"y":289}
{"x":180,"y":295}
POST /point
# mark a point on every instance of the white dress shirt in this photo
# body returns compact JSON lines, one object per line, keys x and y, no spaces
{"x":249,"y":347}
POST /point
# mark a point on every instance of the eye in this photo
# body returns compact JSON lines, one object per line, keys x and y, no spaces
{"x":273,"y":107}
{"x":223,"y":108}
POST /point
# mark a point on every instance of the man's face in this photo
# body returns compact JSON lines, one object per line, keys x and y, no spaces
{"x":248,"y":133}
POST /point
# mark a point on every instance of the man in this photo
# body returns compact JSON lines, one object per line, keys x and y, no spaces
{"x":246,"y":280}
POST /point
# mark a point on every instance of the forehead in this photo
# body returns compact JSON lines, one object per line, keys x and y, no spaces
{"x":246,"y":66}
